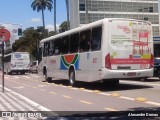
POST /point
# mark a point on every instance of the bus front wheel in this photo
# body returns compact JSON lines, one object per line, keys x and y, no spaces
{"x":72,"y":81}
{"x":47,"y":79}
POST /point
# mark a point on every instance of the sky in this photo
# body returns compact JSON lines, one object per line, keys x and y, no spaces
{"x":20,"y":12}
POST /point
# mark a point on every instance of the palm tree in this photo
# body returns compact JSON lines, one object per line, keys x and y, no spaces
{"x":41,"y":5}
{"x":55,"y":16}
{"x":67,"y":7}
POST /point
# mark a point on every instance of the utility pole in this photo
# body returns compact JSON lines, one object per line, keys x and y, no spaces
{"x":2,"y":59}
{"x":4,"y":37}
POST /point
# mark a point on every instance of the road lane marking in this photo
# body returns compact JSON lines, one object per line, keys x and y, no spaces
{"x":7,"y":104}
{"x":69,"y":86}
{"x":88,"y":90}
{"x":42,"y":108}
{"x":140,"y":99}
{"x":19,"y":87}
{"x":20,"y":83}
{"x":81,"y":88}
{"x":96,"y":91}
{"x":115,"y":94}
{"x":40,"y":86}
{"x":110,"y":109}
{"x":64,"y":86}
{"x":66,"y":96}
{"x":75,"y":88}
{"x":127,"y":98}
{"x":86,"y":102}
{"x":107,"y":94}
{"x":21,"y":102}
{"x":153,"y":103}
{"x":139,"y":83}
{"x":13,"y":102}
{"x":52,"y":92}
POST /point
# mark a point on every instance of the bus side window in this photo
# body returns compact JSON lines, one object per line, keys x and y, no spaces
{"x":84,"y":44}
{"x":74,"y":40}
{"x":51,"y":48}
{"x":57,"y":46}
{"x":65,"y":45}
{"x":40,"y":55}
{"x":46,"y":49}
{"x":96,"y":38}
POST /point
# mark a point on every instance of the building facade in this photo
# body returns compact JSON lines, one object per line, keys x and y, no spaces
{"x":86,"y":11}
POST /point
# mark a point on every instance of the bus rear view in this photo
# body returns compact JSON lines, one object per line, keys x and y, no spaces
{"x":130,"y":49}
{"x":20,"y":62}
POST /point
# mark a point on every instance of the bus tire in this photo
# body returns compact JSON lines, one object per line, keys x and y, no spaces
{"x":47,"y":79}
{"x":72,"y":81}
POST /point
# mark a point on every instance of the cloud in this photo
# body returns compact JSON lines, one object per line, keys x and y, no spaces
{"x":51,"y":27}
{"x":36,"y":20}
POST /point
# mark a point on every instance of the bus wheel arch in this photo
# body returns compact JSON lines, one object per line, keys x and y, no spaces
{"x":71,"y":75}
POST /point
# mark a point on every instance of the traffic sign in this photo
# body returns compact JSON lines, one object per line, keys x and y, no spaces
{"x":5,"y":33}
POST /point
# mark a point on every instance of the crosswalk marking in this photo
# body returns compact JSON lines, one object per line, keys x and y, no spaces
{"x":21,"y":102}
{"x":13,"y":103}
{"x":7,"y":104}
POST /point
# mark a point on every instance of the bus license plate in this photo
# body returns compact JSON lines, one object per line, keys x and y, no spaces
{"x":131,"y":74}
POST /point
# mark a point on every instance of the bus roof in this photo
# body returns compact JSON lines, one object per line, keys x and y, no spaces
{"x":14,"y":53}
{"x":96,"y":23}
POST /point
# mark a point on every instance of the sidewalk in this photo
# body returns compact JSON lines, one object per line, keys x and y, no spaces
{"x":14,"y":105}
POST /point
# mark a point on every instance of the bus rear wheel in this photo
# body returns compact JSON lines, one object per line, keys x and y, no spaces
{"x":72,"y":81}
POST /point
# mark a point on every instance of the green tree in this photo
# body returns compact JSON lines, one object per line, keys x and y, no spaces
{"x":63,"y":26}
{"x":55,"y":16}
{"x":29,"y":42}
{"x":41,"y":5}
{"x":51,"y":33}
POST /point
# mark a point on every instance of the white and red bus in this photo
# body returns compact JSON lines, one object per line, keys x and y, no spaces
{"x":108,"y":49}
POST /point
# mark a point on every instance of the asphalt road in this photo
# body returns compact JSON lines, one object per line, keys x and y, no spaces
{"x":88,"y":98}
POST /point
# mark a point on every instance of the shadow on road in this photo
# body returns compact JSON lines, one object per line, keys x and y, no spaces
{"x":103,"y":86}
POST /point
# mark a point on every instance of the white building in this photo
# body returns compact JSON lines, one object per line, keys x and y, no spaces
{"x":86,"y":11}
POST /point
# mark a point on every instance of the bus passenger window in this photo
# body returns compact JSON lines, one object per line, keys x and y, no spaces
{"x":65,"y":45}
{"x":40,"y":55}
{"x":46,"y":49}
{"x":96,"y":38}
{"x":51,"y":49}
{"x":74,"y":40}
{"x":57,"y":46}
{"x":84,"y":44}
